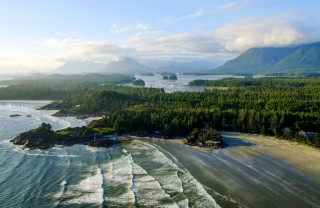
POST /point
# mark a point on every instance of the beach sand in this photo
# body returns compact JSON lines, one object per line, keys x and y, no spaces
{"x":303,"y":157}
{"x":255,"y":170}
{"x":90,"y":119}
{"x":50,"y":112}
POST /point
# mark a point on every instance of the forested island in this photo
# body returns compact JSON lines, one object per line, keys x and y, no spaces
{"x":44,"y":137}
{"x":138,"y":82}
{"x":287,"y":108}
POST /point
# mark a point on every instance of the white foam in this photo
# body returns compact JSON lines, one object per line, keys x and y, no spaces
{"x":174,"y":178}
{"x":119,"y":173}
{"x":88,"y":191}
{"x":149,"y":191}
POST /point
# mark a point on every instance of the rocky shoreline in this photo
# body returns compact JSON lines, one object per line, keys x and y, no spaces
{"x":44,"y":138}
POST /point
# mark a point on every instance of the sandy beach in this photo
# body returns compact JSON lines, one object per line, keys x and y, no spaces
{"x":90,"y":119}
{"x":303,"y":157}
{"x":255,"y":170}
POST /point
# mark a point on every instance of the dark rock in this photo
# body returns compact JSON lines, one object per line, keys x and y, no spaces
{"x":44,"y":138}
{"x":15,"y":115}
{"x":102,"y":142}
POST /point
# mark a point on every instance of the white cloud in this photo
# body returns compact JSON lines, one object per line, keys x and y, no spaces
{"x":120,"y":30}
{"x":261,"y":32}
{"x":227,"y":41}
{"x":142,"y":27}
{"x":70,"y":49}
{"x":232,"y":6}
{"x":218,"y":44}
{"x":25,"y":62}
{"x":192,"y":16}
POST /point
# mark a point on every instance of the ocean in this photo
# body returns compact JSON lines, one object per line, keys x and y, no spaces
{"x":132,"y":174}
{"x":142,"y":172}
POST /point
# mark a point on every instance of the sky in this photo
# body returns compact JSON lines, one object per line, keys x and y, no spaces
{"x":43,"y":35}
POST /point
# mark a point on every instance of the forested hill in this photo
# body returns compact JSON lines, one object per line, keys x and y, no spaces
{"x":57,"y":86}
{"x":300,"y":59}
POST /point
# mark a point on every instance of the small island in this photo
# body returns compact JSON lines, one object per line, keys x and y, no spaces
{"x":44,"y":137}
{"x":172,"y":77}
{"x":138,"y":82}
{"x":205,"y":138}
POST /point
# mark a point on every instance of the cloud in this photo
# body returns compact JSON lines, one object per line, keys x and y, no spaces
{"x":222,"y":43}
{"x":58,"y":43}
{"x":188,"y":42}
{"x":202,"y":12}
{"x":118,"y":30}
{"x":192,"y":16}
{"x":265,"y":31}
{"x":232,"y":6}
{"x":24,"y":62}
{"x":70,"y":49}
{"x":142,"y":27}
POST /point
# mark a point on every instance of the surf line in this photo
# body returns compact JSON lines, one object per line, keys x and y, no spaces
{"x":102,"y":184}
{"x":132,"y":182}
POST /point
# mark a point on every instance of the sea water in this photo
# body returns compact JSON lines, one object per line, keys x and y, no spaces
{"x":132,"y":174}
{"x":179,"y":85}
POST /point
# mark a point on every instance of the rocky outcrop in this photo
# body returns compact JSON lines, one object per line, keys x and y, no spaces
{"x":15,"y":115}
{"x":44,"y":138}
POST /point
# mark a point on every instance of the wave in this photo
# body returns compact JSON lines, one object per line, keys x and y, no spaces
{"x":118,"y":176}
{"x":173,"y":178}
{"x":89,"y":191}
{"x":135,"y":174}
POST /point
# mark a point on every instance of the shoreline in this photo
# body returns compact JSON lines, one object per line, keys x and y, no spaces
{"x":88,"y":120}
{"x":304,"y":158}
{"x":35,"y":104}
{"x":27,"y":101}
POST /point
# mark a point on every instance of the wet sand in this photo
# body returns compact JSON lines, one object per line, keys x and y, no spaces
{"x":254,"y":170}
{"x":303,"y":157}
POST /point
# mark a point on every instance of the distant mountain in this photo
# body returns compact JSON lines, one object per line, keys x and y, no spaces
{"x":182,"y":67}
{"x":174,"y":69}
{"x":125,"y":66}
{"x":274,"y":60}
{"x":306,"y":57}
{"x":77,"y":67}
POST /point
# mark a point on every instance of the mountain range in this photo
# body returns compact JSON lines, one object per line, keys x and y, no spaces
{"x":267,"y":60}
{"x":303,"y":58}
{"x":130,"y":66}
